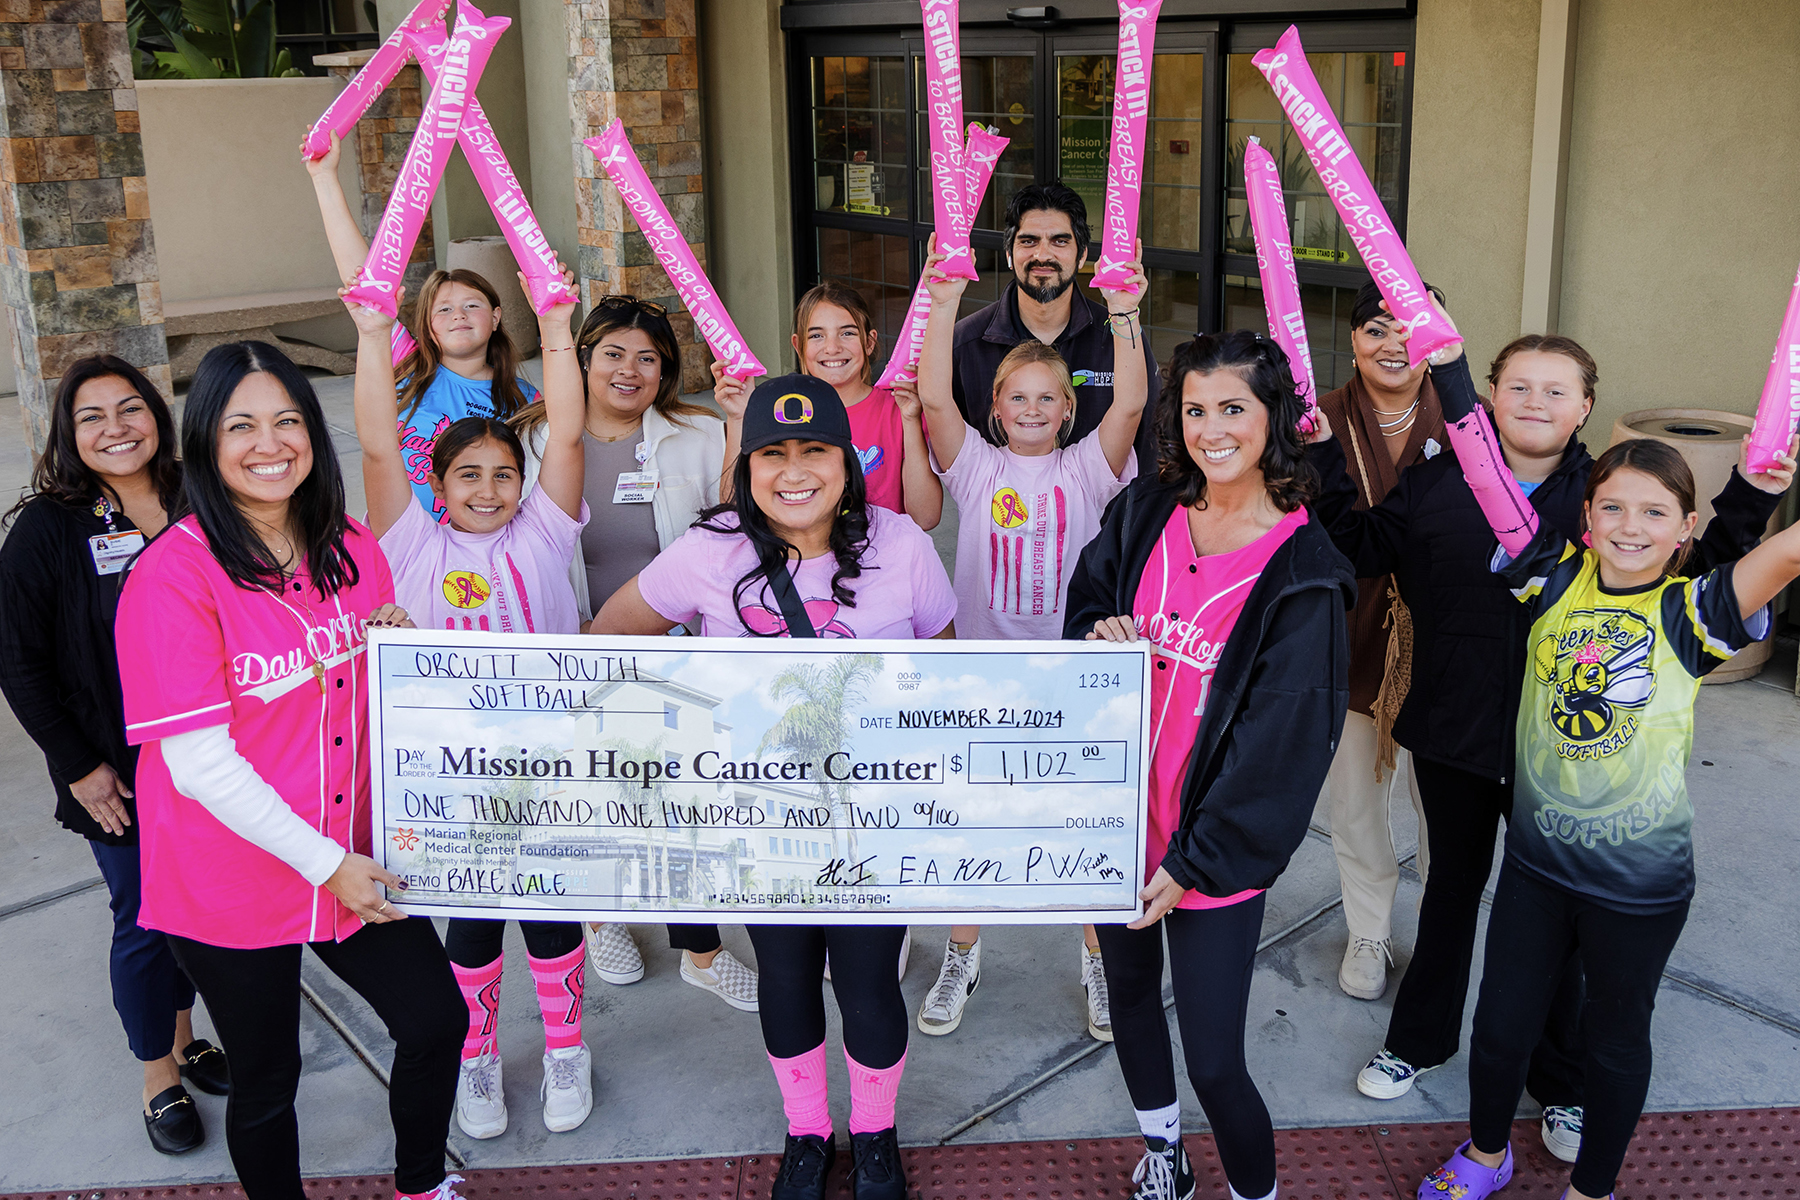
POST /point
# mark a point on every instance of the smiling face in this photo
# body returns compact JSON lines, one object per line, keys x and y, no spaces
{"x":1636,"y":524}
{"x":832,"y":348}
{"x":1538,"y":402}
{"x":481,"y":491}
{"x":1032,"y":407}
{"x":624,"y":372}
{"x":1224,"y":426}
{"x":115,"y":431}
{"x":1044,"y":254}
{"x":799,"y":486}
{"x":462,"y":321}
{"x":1381,"y":358}
{"x":264,"y":449}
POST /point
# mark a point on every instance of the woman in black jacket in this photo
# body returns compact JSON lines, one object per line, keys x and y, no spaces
{"x":108,"y":480}
{"x":1217,"y":562}
{"x":1469,"y":640}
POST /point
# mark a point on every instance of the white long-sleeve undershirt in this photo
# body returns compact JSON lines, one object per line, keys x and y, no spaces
{"x":206,"y":766}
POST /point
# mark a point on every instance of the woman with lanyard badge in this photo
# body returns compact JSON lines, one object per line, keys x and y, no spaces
{"x":1217,"y":561}
{"x":857,"y":570}
{"x":107,"y":480}
{"x":653,"y":461}
{"x":242,"y":663}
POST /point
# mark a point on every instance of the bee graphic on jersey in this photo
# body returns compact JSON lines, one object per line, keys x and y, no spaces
{"x":1599,"y":670}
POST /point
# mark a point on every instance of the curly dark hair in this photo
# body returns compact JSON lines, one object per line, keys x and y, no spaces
{"x":1287,"y":473}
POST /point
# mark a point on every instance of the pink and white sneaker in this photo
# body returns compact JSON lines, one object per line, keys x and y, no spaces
{"x":1462,"y":1178}
{"x":443,"y":1191}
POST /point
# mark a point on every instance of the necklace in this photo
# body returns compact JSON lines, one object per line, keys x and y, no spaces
{"x":1407,"y":417}
{"x":306,"y":643}
{"x":617,"y":437}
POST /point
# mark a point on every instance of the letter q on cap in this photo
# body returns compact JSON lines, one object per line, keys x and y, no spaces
{"x":782,"y":411}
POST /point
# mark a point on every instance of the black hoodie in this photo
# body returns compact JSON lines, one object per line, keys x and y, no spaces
{"x":1276,"y":707}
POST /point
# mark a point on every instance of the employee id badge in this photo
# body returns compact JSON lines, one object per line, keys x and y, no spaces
{"x":112,"y":551}
{"x":635,"y":487}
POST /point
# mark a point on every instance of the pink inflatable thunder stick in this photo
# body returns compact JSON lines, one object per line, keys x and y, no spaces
{"x":341,"y":116}
{"x":1345,"y":181}
{"x":1125,"y":162}
{"x":1509,"y":514}
{"x":620,"y":162}
{"x":944,"y":121}
{"x":1275,"y":263}
{"x":378,"y":283}
{"x":979,"y":158}
{"x":1779,"y":410}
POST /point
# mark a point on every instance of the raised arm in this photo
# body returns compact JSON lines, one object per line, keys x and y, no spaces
{"x":348,"y":246}
{"x":1761,"y":574}
{"x":1131,"y":379}
{"x":1741,"y":511}
{"x":731,"y":394}
{"x":565,"y":406}
{"x":385,"y":484}
{"x":935,"y":366}
{"x":922,"y":496}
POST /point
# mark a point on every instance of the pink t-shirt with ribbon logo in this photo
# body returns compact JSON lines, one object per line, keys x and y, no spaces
{"x":195,"y":651}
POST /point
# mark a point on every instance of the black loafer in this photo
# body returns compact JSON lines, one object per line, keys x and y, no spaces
{"x":805,"y":1168}
{"x":206,"y":1068}
{"x":173,"y":1122}
{"x":878,"y":1173}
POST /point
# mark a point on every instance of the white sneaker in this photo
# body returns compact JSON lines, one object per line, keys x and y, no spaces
{"x":1364,"y":972}
{"x":727,"y":978}
{"x":612,"y":954}
{"x":956,"y":982}
{"x":480,"y":1104}
{"x":568,"y":1091}
{"x":1387,"y":1077}
{"x":1562,"y":1131}
{"x":1099,"y":1003}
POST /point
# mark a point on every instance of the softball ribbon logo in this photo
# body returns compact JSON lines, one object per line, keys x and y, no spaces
{"x":1009,"y":508}
{"x":466,"y":589}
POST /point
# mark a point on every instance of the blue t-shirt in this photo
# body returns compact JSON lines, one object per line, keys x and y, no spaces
{"x":1528,"y":487}
{"x":450,"y":398}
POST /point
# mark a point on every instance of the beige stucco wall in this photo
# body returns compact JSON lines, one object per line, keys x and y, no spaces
{"x":232,"y":208}
{"x":544,"y":37}
{"x":1473,"y":99}
{"x":1683,"y":227}
{"x":750,"y":251}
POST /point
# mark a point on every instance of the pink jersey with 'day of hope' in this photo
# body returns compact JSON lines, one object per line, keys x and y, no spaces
{"x":195,"y":651}
{"x":1186,"y":606}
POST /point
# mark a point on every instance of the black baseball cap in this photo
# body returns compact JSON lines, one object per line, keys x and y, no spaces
{"x":795,"y":406}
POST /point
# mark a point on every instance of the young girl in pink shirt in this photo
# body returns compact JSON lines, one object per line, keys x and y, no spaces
{"x":501,"y":565}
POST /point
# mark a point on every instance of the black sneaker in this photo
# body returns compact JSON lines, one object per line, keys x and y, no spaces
{"x":1164,"y":1172}
{"x":877,"y":1174}
{"x":805,"y":1167}
{"x":173,"y":1122}
{"x":205,"y":1068}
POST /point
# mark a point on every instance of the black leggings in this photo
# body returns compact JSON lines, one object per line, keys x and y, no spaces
{"x":477,"y":941}
{"x":1534,"y":929}
{"x":254,"y":999}
{"x":1212,"y":956}
{"x":790,"y":993}
{"x":695,"y":939}
{"x":1463,"y":811}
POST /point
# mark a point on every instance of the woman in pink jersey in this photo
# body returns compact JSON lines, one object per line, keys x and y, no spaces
{"x":241,"y":655}
{"x":1243,"y":596}
{"x":499,"y":564}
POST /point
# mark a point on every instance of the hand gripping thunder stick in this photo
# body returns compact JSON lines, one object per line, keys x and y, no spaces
{"x":1275,"y":263}
{"x":1779,"y":410}
{"x":341,"y":116}
{"x":1125,"y":161}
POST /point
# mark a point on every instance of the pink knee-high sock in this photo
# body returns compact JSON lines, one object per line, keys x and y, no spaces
{"x":559,"y":989}
{"x":481,"y":992}
{"x":872,"y":1095}
{"x":804,"y":1095}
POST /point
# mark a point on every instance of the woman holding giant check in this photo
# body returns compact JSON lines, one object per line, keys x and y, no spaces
{"x":799,"y":552}
{"x":1215,"y":560}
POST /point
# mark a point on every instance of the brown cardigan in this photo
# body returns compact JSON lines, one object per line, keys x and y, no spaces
{"x":1350,"y":412}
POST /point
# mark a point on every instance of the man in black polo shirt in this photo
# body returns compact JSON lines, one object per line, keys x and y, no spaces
{"x":1046,"y":243}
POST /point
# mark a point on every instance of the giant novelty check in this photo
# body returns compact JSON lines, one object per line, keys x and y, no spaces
{"x":760,"y":780}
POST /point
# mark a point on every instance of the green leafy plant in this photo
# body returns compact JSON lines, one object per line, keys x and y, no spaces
{"x":206,"y":39}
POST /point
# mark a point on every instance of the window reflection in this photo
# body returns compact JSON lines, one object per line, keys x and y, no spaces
{"x":877,"y":266}
{"x":1327,"y":323}
{"x":997,"y":92}
{"x":859,"y":135}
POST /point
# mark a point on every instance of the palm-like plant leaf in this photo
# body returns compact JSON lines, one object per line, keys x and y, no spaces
{"x":256,"y":42}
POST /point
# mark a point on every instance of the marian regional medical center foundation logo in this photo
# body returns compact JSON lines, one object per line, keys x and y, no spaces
{"x":1597,"y":665}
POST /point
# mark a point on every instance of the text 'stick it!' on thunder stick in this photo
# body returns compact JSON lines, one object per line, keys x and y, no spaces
{"x":1125,"y":163}
{"x":378,"y":283}
{"x":1345,"y":181}
{"x":341,"y":116}
{"x":1275,"y":264}
{"x":944,"y":123}
{"x":1779,"y":411}
{"x":620,"y":162}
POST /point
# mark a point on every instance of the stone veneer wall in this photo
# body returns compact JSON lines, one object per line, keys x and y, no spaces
{"x":79,"y":275}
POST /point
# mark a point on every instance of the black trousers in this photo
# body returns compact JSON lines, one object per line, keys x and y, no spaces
{"x":148,"y":985}
{"x":1463,"y":812}
{"x":790,"y":991}
{"x":696,"y":939}
{"x":1212,"y":957}
{"x":1534,"y":928}
{"x":477,"y":941}
{"x":254,"y":999}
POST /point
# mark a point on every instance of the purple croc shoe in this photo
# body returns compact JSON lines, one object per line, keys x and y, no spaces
{"x":1462,"y":1178}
